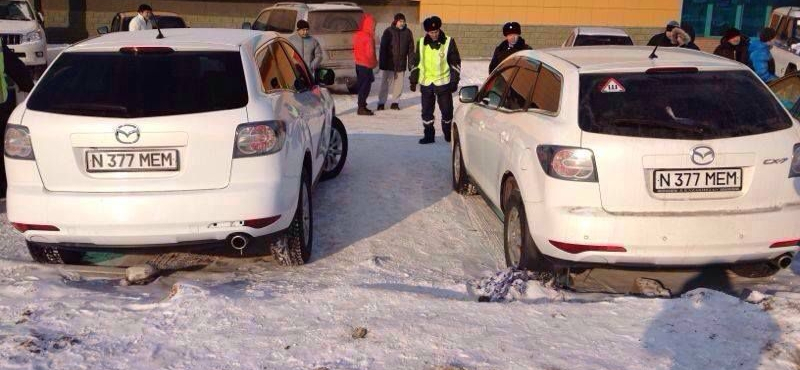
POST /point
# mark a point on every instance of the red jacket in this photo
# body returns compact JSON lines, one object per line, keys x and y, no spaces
{"x":364,"y":43}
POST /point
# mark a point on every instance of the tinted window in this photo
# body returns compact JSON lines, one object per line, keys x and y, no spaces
{"x":165,"y":22}
{"x":547,"y":93}
{"x":689,"y":106}
{"x":126,"y":24}
{"x":586,"y":40}
{"x":15,"y":11}
{"x":493,"y":90}
{"x":146,"y":85}
{"x":298,"y":65}
{"x":788,"y":91}
{"x":260,"y":23}
{"x":115,"y":24}
{"x":520,"y":90}
{"x":282,"y":21}
{"x":285,"y":68}
{"x":271,"y":79}
{"x":334,"y":21}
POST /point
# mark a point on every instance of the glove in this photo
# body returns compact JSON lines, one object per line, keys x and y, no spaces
{"x":453,"y":87}
{"x":413,"y":87}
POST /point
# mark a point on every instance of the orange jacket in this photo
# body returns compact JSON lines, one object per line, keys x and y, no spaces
{"x":364,"y":43}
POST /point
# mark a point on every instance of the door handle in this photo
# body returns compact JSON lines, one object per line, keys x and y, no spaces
{"x":504,"y":137}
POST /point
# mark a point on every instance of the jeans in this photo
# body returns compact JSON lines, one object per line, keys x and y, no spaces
{"x":430,"y":95}
{"x":364,"y":80}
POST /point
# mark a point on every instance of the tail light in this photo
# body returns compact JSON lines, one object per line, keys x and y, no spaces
{"x":794,"y":170}
{"x":261,"y":223}
{"x":17,"y":142}
{"x":567,"y":163}
{"x":30,"y":227}
{"x":786,"y":243}
{"x":257,"y":139}
{"x":580,"y":248}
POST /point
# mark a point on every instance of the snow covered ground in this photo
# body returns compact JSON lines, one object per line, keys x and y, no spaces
{"x":399,"y":254}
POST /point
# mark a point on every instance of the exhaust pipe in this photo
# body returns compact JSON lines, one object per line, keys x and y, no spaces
{"x":783,"y":262}
{"x":239,"y":241}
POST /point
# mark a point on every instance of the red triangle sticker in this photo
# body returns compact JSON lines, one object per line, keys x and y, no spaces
{"x":612,"y":86}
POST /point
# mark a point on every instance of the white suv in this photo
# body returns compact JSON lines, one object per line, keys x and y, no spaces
{"x":199,"y":137}
{"x":22,"y":30}
{"x":600,"y":155}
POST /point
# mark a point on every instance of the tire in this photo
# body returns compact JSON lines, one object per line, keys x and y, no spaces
{"x":294,"y":249}
{"x":52,"y":255}
{"x":461,"y":181}
{"x":337,"y":152}
{"x":520,"y":250}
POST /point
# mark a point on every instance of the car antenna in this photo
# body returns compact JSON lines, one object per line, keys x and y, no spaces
{"x":155,"y":22}
{"x":653,"y":54}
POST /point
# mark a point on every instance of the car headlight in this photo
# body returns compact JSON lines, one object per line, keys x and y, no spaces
{"x":32,"y":36}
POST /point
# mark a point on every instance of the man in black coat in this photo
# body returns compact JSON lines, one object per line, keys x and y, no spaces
{"x":512,"y":44}
{"x":397,"y":48}
{"x":16,"y":70}
{"x":664,"y":38}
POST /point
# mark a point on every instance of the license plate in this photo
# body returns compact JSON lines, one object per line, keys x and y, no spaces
{"x":132,"y":161}
{"x":697,"y":181}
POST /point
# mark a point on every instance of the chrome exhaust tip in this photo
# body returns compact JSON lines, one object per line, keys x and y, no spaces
{"x":239,"y":241}
{"x":784,"y":261}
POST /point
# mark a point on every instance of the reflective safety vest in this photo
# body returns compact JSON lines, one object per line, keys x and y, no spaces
{"x":3,"y":82}
{"x":433,"y":66}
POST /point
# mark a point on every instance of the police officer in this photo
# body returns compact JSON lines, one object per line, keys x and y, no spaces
{"x":10,"y":66}
{"x":436,"y":67}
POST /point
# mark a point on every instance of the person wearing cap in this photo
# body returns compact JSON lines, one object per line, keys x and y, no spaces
{"x":734,"y":46}
{"x":512,"y":44}
{"x":397,"y":48}
{"x":308,"y":47}
{"x":436,"y":67}
{"x":664,"y":38}
{"x":141,"y":22}
{"x":364,"y":55}
{"x":761,"y":55}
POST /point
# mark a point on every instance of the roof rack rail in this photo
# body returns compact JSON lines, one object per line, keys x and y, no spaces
{"x":296,"y":4}
{"x":347,"y":3}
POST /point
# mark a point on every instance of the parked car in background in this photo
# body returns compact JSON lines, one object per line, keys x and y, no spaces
{"x":787,"y":43}
{"x":205,"y":136}
{"x":602,"y":156}
{"x":332,"y":24}
{"x":22,"y":30}
{"x":593,"y":36}
{"x":122,"y":21}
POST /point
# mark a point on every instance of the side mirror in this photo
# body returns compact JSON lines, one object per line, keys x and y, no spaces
{"x":247,"y":25}
{"x":325,"y":77}
{"x":103,"y":30}
{"x":467,"y":94}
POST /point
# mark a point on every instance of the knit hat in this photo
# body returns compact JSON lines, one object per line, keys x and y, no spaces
{"x":672,"y":24}
{"x":731,"y":33}
{"x":303,"y":24}
{"x":767,"y":34}
{"x":432,"y":24}
{"x":399,"y":17}
{"x":512,"y":28}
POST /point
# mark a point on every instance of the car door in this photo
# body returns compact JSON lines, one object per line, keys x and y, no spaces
{"x":787,"y":89}
{"x":482,"y":115}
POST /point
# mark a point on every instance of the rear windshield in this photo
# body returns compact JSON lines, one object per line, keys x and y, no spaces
{"x":690,"y":106}
{"x":334,"y":21}
{"x":121,"y":85}
{"x":587,"y":40}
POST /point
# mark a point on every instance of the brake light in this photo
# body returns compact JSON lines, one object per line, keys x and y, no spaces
{"x":31,"y":227}
{"x":567,"y":163}
{"x":146,"y":50}
{"x":580,"y":248}
{"x":257,"y":139}
{"x":659,"y":70}
{"x":261,"y":223}
{"x":17,"y":143}
{"x":794,"y":170}
{"x":786,"y":243}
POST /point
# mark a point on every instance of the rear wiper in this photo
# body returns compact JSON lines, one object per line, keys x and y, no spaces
{"x":652,"y":123}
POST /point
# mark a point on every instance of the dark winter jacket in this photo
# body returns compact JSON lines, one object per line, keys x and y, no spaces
{"x":364,"y":43}
{"x":739,"y":53}
{"x":504,"y":50}
{"x":453,"y":59}
{"x":309,"y":49}
{"x":397,"y":48}
{"x":761,"y":60}
{"x":660,"y":39}
{"x":16,"y":69}
{"x":689,"y":30}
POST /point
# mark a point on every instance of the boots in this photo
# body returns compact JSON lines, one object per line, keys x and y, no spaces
{"x":395,"y":106}
{"x":381,"y":107}
{"x":363,"y":111}
{"x":446,"y":127}
{"x":429,"y":134}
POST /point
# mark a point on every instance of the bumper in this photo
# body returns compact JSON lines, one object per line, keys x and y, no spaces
{"x":663,"y":241}
{"x":32,"y":53}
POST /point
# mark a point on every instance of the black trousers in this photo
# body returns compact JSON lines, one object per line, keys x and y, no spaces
{"x":364,"y":79}
{"x":432,"y":94}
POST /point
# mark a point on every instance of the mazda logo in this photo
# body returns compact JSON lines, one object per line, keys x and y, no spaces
{"x":127,"y":134}
{"x":702,"y":155}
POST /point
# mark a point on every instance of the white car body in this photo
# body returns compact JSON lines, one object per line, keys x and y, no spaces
{"x":26,"y":37}
{"x":613,"y":36}
{"x":787,"y":43}
{"x":622,"y":208}
{"x":211,"y":195}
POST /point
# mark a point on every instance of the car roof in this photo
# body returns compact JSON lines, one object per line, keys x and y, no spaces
{"x":157,"y":14}
{"x":601,"y":31}
{"x":218,"y":39}
{"x":785,"y":11}
{"x":318,"y":7}
{"x":595,"y":59}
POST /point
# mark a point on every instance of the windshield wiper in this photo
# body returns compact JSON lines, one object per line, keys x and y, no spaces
{"x":653,"y":123}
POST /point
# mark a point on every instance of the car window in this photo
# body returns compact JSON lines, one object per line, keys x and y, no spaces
{"x":774,"y":21}
{"x":166,"y":22}
{"x":115,"y":24}
{"x":685,"y":106}
{"x":285,"y":67}
{"x":783,"y":29}
{"x":325,"y":22}
{"x":134,"y":85}
{"x":15,"y":10}
{"x":520,"y":90}
{"x":126,"y":23}
{"x":787,"y":90}
{"x":298,"y":65}
{"x":547,"y":92}
{"x":570,"y":39}
{"x":282,"y":21}
{"x":271,"y":79}
{"x":260,"y":24}
{"x":494,"y":89}
{"x":592,"y":40}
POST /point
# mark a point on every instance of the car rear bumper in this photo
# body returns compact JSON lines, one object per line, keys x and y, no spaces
{"x":668,"y":241}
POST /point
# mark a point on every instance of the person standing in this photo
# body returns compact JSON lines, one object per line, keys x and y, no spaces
{"x":761,"y":56}
{"x":307,"y":46}
{"x":664,"y":38}
{"x":437,"y":69}
{"x":141,"y":22}
{"x":734,"y":46}
{"x":512,"y":44}
{"x":364,"y":52}
{"x":15,"y":69}
{"x":397,"y":47}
